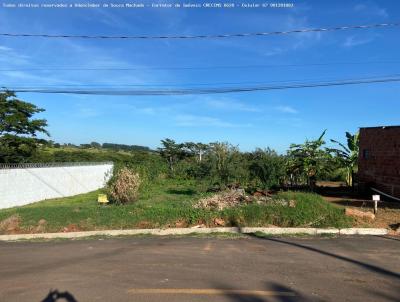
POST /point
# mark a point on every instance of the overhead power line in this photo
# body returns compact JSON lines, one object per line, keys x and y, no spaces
{"x":211,"y":36}
{"x":215,"y":90}
{"x":185,"y":85}
{"x":60,"y":68}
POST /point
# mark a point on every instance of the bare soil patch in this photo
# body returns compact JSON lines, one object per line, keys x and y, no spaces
{"x":388,"y":215}
{"x":10,"y":225}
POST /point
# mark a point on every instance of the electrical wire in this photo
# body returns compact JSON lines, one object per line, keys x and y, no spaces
{"x":211,"y":36}
{"x":115,"y":86}
{"x":215,"y":90}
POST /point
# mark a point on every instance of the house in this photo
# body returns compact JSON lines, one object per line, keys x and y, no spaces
{"x":379,"y":159}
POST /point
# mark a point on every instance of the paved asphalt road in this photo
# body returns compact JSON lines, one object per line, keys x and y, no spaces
{"x":203,"y":269}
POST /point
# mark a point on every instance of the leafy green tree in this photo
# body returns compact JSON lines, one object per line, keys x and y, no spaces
{"x":18,"y":128}
{"x":309,"y":158}
{"x":197,"y":149}
{"x":347,"y":155}
{"x":95,"y":145}
{"x":293,"y":170}
{"x":228,"y":164}
{"x":50,"y":143}
{"x":267,"y":166}
{"x":85,"y":146}
{"x":172,"y":152}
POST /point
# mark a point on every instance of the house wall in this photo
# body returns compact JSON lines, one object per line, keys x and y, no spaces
{"x":379,"y":159}
{"x":24,"y":184}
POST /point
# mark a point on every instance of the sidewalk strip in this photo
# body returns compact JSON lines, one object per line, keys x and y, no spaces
{"x":188,"y":231}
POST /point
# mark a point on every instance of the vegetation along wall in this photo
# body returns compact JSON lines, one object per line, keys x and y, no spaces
{"x":23,"y":184}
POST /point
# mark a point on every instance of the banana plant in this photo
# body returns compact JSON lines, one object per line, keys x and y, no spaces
{"x":309,"y":158}
{"x":347,"y":155}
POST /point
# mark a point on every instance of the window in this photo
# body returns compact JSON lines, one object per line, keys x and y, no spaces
{"x":366,"y":153}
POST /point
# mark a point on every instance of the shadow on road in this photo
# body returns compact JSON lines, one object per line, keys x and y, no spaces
{"x":380,"y":295}
{"x":389,"y":238}
{"x":364,"y":265}
{"x":279,"y":293}
{"x":55,"y":295}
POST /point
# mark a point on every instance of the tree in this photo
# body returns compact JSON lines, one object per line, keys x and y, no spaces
{"x":95,"y":145}
{"x":172,"y":152}
{"x":228,"y":164}
{"x":267,"y":166}
{"x":308,"y":158}
{"x":18,"y":128}
{"x":347,"y":155}
{"x":50,"y":143}
{"x":198,"y":149}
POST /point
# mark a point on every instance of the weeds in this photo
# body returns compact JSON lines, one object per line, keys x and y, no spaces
{"x":124,"y":186}
{"x":163,"y":205}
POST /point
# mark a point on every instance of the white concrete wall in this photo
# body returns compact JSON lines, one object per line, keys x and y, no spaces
{"x":20,"y":186}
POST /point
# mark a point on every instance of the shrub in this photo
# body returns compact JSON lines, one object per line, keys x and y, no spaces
{"x":266,"y":168}
{"x":124,"y":186}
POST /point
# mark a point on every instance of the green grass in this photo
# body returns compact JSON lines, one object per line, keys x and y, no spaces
{"x":310,"y":211}
{"x":167,"y":202}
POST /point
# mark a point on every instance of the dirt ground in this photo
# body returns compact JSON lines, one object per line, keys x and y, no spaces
{"x":388,"y":215}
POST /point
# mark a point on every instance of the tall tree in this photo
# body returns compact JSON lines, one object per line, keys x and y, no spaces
{"x":347,"y":155}
{"x":225,"y":160}
{"x":18,"y":128}
{"x":95,"y":145}
{"x":172,"y":152}
{"x":267,"y":166}
{"x":309,"y":158}
{"x":197,"y":149}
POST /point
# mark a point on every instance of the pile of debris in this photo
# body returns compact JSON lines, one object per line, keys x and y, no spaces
{"x":220,"y":201}
{"x":237,"y":197}
{"x":10,"y":225}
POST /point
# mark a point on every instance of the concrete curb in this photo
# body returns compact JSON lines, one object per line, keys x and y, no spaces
{"x":185,"y":231}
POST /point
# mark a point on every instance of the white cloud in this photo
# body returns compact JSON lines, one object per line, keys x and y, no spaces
{"x":9,"y":55}
{"x":37,"y":79}
{"x":4,"y":48}
{"x":188,"y":120}
{"x":86,"y":112}
{"x":230,"y":104}
{"x":76,"y":54}
{"x":286,"y":109}
{"x":274,"y":46}
{"x":290,"y":122}
{"x":148,"y":110}
{"x":371,"y":9}
{"x":353,"y":41}
{"x":274,"y":51}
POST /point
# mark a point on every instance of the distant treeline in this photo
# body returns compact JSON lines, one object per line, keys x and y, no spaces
{"x":220,"y":164}
{"x":109,"y":146}
{"x":125,"y":147}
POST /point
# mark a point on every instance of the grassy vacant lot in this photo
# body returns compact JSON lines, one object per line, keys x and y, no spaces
{"x":167,"y":203}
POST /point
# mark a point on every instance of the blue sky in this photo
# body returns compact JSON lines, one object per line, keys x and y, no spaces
{"x":258,"y":119}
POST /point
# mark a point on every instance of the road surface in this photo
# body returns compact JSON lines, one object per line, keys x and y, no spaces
{"x":202,"y":269}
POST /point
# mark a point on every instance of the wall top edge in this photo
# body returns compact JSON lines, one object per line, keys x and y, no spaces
{"x":50,"y":165}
